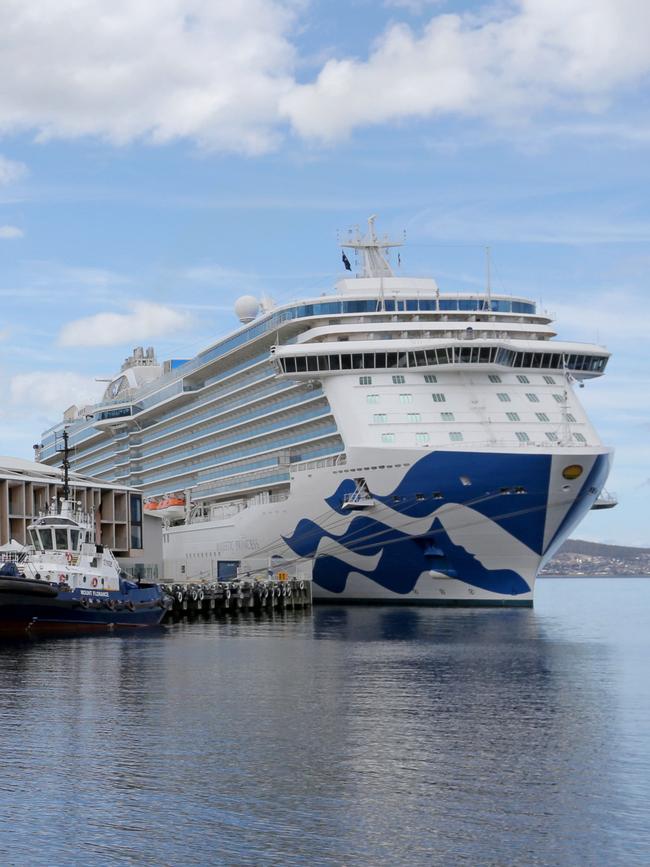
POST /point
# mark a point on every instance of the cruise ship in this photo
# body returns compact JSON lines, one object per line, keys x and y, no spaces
{"x":395,"y":442}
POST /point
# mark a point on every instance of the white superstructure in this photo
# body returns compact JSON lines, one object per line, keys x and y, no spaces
{"x":411,"y":444}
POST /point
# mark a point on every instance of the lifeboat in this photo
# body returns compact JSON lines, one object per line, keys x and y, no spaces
{"x":171,"y":506}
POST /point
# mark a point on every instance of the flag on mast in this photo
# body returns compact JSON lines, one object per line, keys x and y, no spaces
{"x":346,"y":261}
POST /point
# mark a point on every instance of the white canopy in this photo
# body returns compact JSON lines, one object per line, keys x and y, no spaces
{"x":12,"y":546}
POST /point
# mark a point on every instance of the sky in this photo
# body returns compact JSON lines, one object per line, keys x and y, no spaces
{"x":160,"y":158}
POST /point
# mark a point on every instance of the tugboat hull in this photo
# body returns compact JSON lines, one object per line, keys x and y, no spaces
{"x":33,"y":607}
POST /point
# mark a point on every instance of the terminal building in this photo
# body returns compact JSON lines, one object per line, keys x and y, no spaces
{"x":29,"y":489}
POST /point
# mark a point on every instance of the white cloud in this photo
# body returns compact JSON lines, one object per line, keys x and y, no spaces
{"x":215,"y":274}
{"x":50,"y":392}
{"x":223,"y":74}
{"x":11,"y":171}
{"x":145,"y":321}
{"x":608,"y":316}
{"x":10,"y":233}
{"x":52,"y":282}
{"x":615,"y":400}
{"x":155,"y":69}
{"x":92,"y":278}
{"x":521,"y":58}
{"x":516,"y":222}
{"x":634,"y":132}
{"x":416,"y":7}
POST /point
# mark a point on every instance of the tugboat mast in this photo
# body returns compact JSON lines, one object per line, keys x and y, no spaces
{"x":66,"y":466}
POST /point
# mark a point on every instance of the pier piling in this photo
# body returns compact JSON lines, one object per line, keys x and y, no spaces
{"x":195,"y":599}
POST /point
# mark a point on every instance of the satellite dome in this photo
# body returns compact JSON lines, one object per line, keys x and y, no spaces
{"x":246,"y":308}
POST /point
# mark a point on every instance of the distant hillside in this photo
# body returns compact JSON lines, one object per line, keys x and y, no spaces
{"x":579,"y":546}
{"x":578,"y":557}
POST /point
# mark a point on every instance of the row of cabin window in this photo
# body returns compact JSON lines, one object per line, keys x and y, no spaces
{"x":398,"y":379}
{"x":422,"y":437}
{"x":443,"y":355}
{"x":504,"y":397}
{"x":382,"y":417}
{"x":521,"y":377}
{"x":412,"y":417}
{"x":439,"y":397}
{"x":541,"y":416}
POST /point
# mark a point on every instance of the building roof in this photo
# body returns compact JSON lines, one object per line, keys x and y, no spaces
{"x":31,"y":471}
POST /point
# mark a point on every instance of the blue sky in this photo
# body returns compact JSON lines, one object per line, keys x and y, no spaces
{"x":159,"y":159}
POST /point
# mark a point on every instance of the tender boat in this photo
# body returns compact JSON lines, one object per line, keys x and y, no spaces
{"x":171,"y":507}
{"x":65,"y":579}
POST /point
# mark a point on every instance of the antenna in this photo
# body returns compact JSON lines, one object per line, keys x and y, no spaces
{"x":488,"y":279}
{"x":65,"y":463}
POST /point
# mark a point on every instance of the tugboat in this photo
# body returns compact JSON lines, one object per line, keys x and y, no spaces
{"x":66,"y":580}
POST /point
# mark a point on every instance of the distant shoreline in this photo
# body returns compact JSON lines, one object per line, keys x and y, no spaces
{"x":580,"y":559}
{"x":596,"y":575}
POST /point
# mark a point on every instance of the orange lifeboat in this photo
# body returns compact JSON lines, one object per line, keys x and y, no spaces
{"x":171,"y":506}
{"x":169,"y":502}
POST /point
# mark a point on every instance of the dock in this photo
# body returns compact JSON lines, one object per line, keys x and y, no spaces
{"x":230,"y":597}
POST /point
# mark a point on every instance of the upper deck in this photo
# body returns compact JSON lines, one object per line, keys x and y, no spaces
{"x":407,"y":302}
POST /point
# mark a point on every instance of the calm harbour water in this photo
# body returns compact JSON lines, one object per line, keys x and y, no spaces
{"x":354,"y":736}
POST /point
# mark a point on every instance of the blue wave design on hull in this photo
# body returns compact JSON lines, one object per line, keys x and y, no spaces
{"x":403,"y":558}
{"x":442,"y":471}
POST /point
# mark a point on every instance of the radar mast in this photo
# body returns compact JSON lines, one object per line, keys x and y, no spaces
{"x":373,"y":250}
{"x":62,"y":444}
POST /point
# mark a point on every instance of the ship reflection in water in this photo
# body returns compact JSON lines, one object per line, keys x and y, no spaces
{"x":358,"y":736}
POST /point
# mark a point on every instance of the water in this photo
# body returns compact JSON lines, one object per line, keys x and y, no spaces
{"x":356,"y":736}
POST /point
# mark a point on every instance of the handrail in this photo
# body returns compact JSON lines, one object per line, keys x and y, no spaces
{"x":358,"y":497}
{"x":318,"y":463}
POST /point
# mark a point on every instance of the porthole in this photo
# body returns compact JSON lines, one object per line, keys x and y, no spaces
{"x":573,"y":471}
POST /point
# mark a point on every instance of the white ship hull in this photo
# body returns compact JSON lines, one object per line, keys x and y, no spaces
{"x":443,"y":528}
